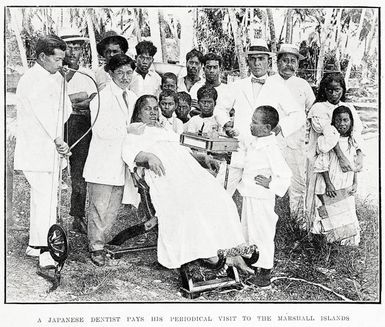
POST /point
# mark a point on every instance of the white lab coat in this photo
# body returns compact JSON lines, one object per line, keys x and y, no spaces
{"x":104,"y":163}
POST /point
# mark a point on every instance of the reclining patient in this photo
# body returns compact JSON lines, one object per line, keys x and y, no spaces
{"x":196,"y":216}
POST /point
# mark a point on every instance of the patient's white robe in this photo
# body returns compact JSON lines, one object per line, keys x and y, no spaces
{"x":196,"y":215}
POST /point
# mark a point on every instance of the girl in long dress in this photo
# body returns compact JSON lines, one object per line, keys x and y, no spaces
{"x":196,"y":216}
{"x":331,"y":95}
{"x":336,"y":188}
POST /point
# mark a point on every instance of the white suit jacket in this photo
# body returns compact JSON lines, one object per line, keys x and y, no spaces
{"x":104,"y":164}
{"x":39,"y":119}
{"x":273,"y":93}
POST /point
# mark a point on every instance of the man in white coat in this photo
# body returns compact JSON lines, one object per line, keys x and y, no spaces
{"x":294,"y":149}
{"x":257,"y":90}
{"x":104,"y":170}
{"x":42,"y":109}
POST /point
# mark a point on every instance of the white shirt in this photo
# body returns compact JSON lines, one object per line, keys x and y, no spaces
{"x":81,"y":83}
{"x":172,"y":124}
{"x":150,"y":84}
{"x":181,"y":86}
{"x":195,"y":124}
{"x":39,"y":119}
{"x":262,"y":156}
{"x":102,"y":77}
{"x":104,"y":164}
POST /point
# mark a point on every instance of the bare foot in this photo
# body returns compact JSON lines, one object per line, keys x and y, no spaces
{"x":238,"y":262}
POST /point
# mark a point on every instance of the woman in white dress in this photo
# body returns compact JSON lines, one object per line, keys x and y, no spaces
{"x":195,"y":214}
{"x":322,"y":135}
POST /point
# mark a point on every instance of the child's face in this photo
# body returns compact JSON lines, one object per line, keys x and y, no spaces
{"x":169,"y":84}
{"x":183,"y":108}
{"x":206,"y":104}
{"x":167,"y":106}
{"x":334,"y":92}
{"x":257,"y":127}
{"x":342,"y":123}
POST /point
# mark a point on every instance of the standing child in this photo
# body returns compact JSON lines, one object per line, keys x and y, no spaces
{"x":205,"y":122}
{"x":265,"y":174}
{"x":167,"y":103}
{"x":169,"y":82}
{"x":335,"y":188}
{"x":183,"y":107}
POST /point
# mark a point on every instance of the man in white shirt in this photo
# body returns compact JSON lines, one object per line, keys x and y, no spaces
{"x":110,"y":45}
{"x":294,"y":150}
{"x":193,"y":66}
{"x":144,"y":80}
{"x":81,"y":90}
{"x":42,"y":109}
{"x":257,"y":90}
{"x":212,"y":65}
{"x":104,"y":170}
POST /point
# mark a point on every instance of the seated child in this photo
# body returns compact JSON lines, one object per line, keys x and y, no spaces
{"x":183,"y":107}
{"x":168,"y":119}
{"x":205,"y":122}
{"x":169,"y":82}
{"x":332,"y":182}
{"x":265,"y":174}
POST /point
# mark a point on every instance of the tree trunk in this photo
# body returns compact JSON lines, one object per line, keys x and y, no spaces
{"x":323,"y":37}
{"x":155,"y":32}
{"x":289,"y":26}
{"x":270,"y":20}
{"x":355,"y":46}
{"x":137,"y":19}
{"x":163,"y":43}
{"x":19,"y":41}
{"x":238,"y":43}
{"x":91,"y":33}
{"x":186,"y":20}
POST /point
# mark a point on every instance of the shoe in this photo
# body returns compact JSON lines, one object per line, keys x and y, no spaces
{"x":98,"y":258}
{"x":79,"y":225}
{"x":261,"y":279}
{"x":32,"y":251}
{"x":46,"y":261}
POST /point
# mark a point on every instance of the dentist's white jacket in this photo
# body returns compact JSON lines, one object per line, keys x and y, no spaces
{"x":104,"y":163}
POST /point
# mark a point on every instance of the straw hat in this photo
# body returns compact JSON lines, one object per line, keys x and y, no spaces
{"x":72,"y":35}
{"x":290,"y":48}
{"x":258,"y":46}
{"x":107,"y":38}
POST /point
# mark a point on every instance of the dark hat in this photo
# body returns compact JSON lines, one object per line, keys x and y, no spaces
{"x":111,"y":36}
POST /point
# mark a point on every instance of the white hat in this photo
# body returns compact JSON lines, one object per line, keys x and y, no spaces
{"x":71,"y":35}
{"x":258,"y":46}
{"x":290,"y":48}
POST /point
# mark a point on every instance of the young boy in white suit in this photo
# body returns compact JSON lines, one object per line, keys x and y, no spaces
{"x":264,"y":175}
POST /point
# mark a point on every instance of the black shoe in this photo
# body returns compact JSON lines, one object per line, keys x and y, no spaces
{"x":79,"y":225}
{"x":261,"y":279}
{"x":98,"y":258}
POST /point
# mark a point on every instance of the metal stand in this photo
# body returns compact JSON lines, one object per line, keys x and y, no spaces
{"x":192,"y":288}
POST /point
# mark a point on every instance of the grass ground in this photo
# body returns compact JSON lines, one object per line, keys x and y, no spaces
{"x":350,"y":272}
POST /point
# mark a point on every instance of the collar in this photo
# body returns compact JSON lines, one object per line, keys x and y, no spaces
{"x":40,"y":70}
{"x":116,"y":90}
{"x":261,"y":142}
{"x":150,"y":73}
{"x":262,"y":77}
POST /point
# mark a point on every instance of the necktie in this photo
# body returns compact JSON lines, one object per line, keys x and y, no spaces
{"x":258,"y":80}
{"x":125,"y":98}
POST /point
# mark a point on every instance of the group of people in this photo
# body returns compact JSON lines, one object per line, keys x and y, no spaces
{"x":288,"y":139}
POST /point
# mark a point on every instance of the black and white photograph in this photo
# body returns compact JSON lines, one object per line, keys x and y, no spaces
{"x":172,"y":157}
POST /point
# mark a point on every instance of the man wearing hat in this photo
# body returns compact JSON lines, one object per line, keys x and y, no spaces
{"x":110,"y":45}
{"x":81,"y":91}
{"x":294,"y":150}
{"x":257,"y":90}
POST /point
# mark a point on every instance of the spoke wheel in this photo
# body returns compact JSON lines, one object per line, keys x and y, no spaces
{"x":57,"y":243}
